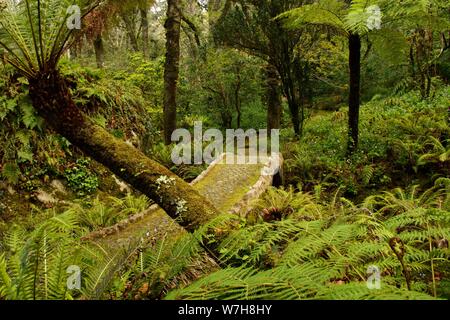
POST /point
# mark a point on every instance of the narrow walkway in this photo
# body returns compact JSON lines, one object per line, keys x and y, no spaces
{"x":224,"y":185}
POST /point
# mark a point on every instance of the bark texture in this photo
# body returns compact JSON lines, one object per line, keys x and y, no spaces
{"x":273,"y":98}
{"x":52,"y":99}
{"x":171,"y":68}
{"x":145,"y":31}
{"x":355,"y":88}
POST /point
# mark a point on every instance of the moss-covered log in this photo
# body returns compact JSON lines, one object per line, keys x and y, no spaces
{"x":52,"y":99}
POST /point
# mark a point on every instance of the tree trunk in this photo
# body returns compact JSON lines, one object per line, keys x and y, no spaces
{"x":145,"y":31}
{"x":171,"y":68}
{"x":99,"y":51}
{"x":131,"y":33}
{"x":285,"y":70}
{"x":273,"y":98}
{"x":354,"y":95}
{"x":294,"y":106}
{"x":194,"y":29}
{"x":52,"y":99}
{"x":237,"y":98}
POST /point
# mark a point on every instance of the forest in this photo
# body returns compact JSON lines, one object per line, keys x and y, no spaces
{"x":224,"y":150}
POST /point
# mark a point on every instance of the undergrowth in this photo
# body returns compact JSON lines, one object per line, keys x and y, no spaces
{"x":402,"y":235}
{"x":404,"y":140}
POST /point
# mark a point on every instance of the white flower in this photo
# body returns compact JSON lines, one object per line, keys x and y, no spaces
{"x":181,"y":206}
{"x":165,"y":180}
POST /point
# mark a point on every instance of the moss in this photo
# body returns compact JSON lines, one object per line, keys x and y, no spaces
{"x":239,"y":183}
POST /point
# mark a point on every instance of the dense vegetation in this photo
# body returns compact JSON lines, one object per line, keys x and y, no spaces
{"x":86,"y":118}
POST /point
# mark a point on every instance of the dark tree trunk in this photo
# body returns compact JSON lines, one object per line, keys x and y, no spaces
{"x":354,"y":95}
{"x":227,"y":120}
{"x":171,"y":68}
{"x":52,"y":99}
{"x":294,"y":105}
{"x":145,"y":32}
{"x":237,"y":99}
{"x":99,"y":51}
{"x":131,"y":33}
{"x":273,"y":98}
{"x":285,"y":70}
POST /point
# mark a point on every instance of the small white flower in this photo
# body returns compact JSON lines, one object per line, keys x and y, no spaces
{"x":164,"y":180}
{"x":181,"y":206}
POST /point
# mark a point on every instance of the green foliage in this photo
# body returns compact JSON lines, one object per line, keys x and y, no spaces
{"x":11,"y":172}
{"x":438,"y":154}
{"x":34,"y":33}
{"x":20,"y":125}
{"x":329,"y":257}
{"x":158,"y":266}
{"x":399,"y":134}
{"x":340,"y":15}
{"x":119,"y":102}
{"x":25,"y":142}
{"x":98,"y":214}
{"x":309,"y":242}
{"x":80,"y":179}
{"x":33,"y":266}
{"x":220,"y":85}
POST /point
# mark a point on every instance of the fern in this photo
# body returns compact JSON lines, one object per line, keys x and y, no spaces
{"x":438,"y":153}
{"x":11,"y":172}
{"x":328,"y":258}
{"x":100,"y":267}
{"x":367,"y":174}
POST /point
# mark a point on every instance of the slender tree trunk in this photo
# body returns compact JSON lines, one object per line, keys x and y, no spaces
{"x":412,"y":61}
{"x":99,"y":51}
{"x":52,"y":99}
{"x":294,"y":106}
{"x":131,"y":33}
{"x":237,"y":99}
{"x":194,"y":29}
{"x":145,"y":31}
{"x":273,"y":98}
{"x":227,"y":119}
{"x":285,"y":70}
{"x":171,"y":68}
{"x":355,"y":88}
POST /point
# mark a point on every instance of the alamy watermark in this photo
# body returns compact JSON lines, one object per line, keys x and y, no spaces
{"x":374,"y":279}
{"x":74,"y":20}
{"x":375,"y":17}
{"x":74,"y":278}
{"x":249,"y":147}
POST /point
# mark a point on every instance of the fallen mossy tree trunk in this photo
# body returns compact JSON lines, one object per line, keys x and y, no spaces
{"x":52,"y":99}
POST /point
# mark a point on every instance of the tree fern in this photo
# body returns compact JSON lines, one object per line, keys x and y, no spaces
{"x":34,"y":34}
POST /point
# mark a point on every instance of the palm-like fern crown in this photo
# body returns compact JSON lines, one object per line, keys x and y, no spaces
{"x":34,"y":34}
{"x":352,"y":16}
{"x":343,"y":16}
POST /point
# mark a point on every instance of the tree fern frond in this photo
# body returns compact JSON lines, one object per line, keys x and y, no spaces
{"x":327,"y":13}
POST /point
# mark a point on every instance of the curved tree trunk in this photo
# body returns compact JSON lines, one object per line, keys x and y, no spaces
{"x":355,"y":88}
{"x":52,"y":99}
{"x":171,"y":68}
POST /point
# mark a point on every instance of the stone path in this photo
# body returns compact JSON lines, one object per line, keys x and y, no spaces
{"x":225,"y":185}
